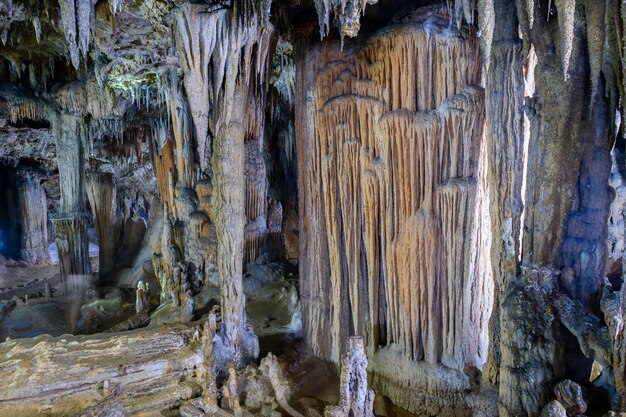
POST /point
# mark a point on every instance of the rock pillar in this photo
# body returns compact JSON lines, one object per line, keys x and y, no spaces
{"x":101,"y":190}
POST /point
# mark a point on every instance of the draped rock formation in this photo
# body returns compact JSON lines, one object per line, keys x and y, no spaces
{"x":394,"y":231}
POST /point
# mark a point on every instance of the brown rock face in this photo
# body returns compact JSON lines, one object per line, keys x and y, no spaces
{"x":393,"y":231}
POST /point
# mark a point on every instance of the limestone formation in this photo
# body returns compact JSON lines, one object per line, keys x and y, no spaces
{"x":209,"y":382}
{"x":271,"y":368}
{"x":141,"y":302}
{"x":364,"y":265}
{"x":355,"y":397}
{"x":553,"y":409}
{"x":101,"y":190}
{"x":420,"y":213}
{"x":33,"y":212}
{"x":62,"y":377}
{"x":571,"y":396}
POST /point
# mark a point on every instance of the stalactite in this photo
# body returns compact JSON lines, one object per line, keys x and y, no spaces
{"x":181,"y":129}
{"x":84,"y":9}
{"x":116,"y":6}
{"x":197,"y":35}
{"x":77,"y":18}
{"x":164,"y":164}
{"x":566,"y":15}
{"x":68,"y":15}
{"x":284,"y":70}
{"x":37,"y":27}
{"x":486,"y":25}
{"x":255,"y":193}
{"x":71,"y":161}
{"x":347,"y":13}
{"x":596,"y":35}
{"x":27,"y":109}
{"x":530,"y":11}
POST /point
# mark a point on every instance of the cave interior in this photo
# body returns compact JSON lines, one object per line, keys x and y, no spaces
{"x":307,"y":208}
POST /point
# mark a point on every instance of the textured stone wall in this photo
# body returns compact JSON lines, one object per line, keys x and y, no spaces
{"x":394,"y":230}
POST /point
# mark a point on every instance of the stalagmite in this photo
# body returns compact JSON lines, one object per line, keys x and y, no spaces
{"x":34,"y":219}
{"x":530,"y":362}
{"x":271,"y":369}
{"x":141,"y":299}
{"x":355,"y":397}
{"x":614,"y":309}
{"x":101,"y":190}
{"x":231,"y":392}
{"x":228,"y":208}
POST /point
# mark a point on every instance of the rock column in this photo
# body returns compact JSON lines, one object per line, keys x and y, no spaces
{"x":33,"y":217}
{"x":504,"y":102}
{"x":70,"y":225}
{"x":101,"y":190}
